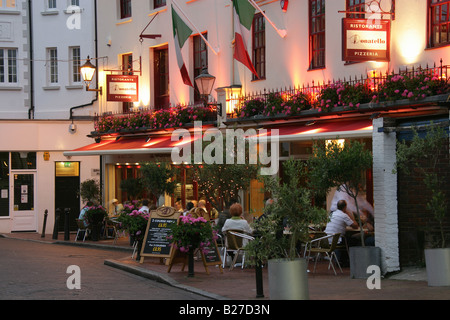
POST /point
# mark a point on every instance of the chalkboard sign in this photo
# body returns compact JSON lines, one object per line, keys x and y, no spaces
{"x":158,"y":229}
{"x":212,"y":257}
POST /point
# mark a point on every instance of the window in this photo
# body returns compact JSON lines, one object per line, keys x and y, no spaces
{"x":356,"y":6}
{"x":7,"y":4}
{"x":161,"y":78}
{"x":259,"y":46}
{"x":76,"y":64}
{"x":439,"y":23}
{"x":75,"y":3}
{"x":200,"y":61}
{"x":8,"y":66}
{"x":316,"y":34}
{"x":127,"y":68}
{"x":23,"y":160}
{"x":159,"y":3}
{"x":125,"y":9}
{"x":51,"y":4}
{"x":52,"y":63}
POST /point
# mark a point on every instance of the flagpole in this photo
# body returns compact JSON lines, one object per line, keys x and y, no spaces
{"x":193,"y":25}
{"x":281,"y":33}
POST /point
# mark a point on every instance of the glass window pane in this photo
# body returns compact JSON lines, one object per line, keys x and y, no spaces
{"x":23,"y":160}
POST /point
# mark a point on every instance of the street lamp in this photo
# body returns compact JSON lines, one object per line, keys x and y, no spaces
{"x":87,"y":71}
{"x":205,"y":84}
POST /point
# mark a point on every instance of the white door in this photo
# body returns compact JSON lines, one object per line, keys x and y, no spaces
{"x":23,"y":211}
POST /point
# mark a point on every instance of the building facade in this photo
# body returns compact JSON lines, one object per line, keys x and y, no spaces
{"x":299,"y":47}
{"x":44,"y":110}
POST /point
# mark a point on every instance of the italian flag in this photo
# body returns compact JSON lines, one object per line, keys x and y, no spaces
{"x":244,"y":13}
{"x":181,"y":32}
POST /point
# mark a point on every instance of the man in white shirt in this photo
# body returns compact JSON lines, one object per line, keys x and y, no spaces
{"x":340,"y":220}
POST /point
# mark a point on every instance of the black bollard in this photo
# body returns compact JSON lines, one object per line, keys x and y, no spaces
{"x":66,"y":224}
{"x":45,"y":224}
{"x":56,"y":226}
{"x":259,"y":274}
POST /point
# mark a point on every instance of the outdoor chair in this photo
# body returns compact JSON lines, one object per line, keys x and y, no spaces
{"x":325,"y":247}
{"x":110,"y":224}
{"x":81,"y":228}
{"x":234,"y":243}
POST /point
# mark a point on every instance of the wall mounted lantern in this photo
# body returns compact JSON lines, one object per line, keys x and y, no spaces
{"x":205,"y":83}
{"x":87,"y":72}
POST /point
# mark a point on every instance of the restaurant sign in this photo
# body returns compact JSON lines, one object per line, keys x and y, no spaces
{"x":366,"y":39}
{"x":122,"y":88}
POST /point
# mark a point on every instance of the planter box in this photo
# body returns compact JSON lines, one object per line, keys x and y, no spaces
{"x":288,"y":279}
{"x":438,"y":267}
{"x":361,"y":258}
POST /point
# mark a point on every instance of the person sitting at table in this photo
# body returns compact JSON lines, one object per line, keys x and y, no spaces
{"x":144,"y":207}
{"x":338,"y":223}
{"x":236,"y":222}
{"x":83,"y":213}
{"x":340,"y":220}
{"x":189,"y":207}
{"x":200,"y":211}
{"x":368,"y":226}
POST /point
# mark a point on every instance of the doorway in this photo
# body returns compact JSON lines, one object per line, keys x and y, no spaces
{"x":161,"y":78}
{"x":23,"y":214}
{"x":67,"y":192}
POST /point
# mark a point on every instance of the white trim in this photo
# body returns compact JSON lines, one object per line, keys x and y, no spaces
{"x":117,"y":151}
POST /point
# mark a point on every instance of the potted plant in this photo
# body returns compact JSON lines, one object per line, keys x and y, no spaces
{"x":280,"y":232}
{"x":191,"y":234}
{"x":428,"y":157}
{"x":343,"y":167}
{"x":157,"y":177}
{"x":90,"y":190}
{"x":134,"y":222}
{"x":95,"y":216}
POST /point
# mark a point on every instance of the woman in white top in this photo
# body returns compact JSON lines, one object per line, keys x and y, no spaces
{"x":236,"y":222}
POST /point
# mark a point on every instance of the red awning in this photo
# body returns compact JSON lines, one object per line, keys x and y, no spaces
{"x":141,"y":145}
{"x":164,"y":144}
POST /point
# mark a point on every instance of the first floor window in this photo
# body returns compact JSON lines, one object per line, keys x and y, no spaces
{"x":259,"y":46}
{"x":52,"y":65}
{"x":76,"y":64}
{"x":159,"y":3}
{"x":8,"y":4}
{"x":8,"y":65}
{"x":51,"y":4}
{"x":200,"y":61}
{"x":316,"y":34}
{"x":439,"y":23}
{"x":125,"y":9}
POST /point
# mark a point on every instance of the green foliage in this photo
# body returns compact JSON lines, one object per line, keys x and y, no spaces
{"x":133,"y":221}
{"x":292,"y":208}
{"x":133,"y":188}
{"x":423,"y":154}
{"x":90,"y":190}
{"x":220,"y":183}
{"x":95,"y":215}
{"x":157,"y":178}
{"x":192,"y":233}
{"x":344,"y":168}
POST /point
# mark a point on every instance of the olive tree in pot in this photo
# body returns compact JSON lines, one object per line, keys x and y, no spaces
{"x":344,"y":167}
{"x":292,"y":210}
{"x":158,"y":178}
{"x":429,"y":159}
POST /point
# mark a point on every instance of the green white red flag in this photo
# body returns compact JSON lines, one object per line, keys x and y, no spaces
{"x":244,"y":13}
{"x":181,"y":32}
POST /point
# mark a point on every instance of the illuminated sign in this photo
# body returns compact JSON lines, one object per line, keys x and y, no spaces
{"x":122,"y":88}
{"x":366,"y":40}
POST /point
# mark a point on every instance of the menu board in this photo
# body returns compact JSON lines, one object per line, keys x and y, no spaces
{"x":212,"y":257}
{"x":158,"y":229}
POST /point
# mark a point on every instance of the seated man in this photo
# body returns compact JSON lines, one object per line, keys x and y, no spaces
{"x":338,"y":223}
{"x":340,"y":219}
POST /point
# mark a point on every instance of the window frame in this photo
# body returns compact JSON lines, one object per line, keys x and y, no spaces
{"x":200,"y":56}
{"x":431,"y":24}
{"x":52,"y":67}
{"x":159,"y":4}
{"x":9,"y":74}
{"x":316,"y":61}
{"x":259,"y":46}
{"x":125,"y":9}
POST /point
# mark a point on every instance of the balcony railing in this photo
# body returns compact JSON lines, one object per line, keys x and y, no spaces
{"x":414,"y":83}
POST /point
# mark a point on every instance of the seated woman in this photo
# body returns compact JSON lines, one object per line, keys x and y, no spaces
{"x":236,"y":222}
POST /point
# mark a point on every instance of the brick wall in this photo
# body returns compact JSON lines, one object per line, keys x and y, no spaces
{"x":417,"y":228}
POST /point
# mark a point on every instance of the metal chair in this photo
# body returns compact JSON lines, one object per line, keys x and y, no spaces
{"x":234,"y":243}
{"x":81,"y":228}
{"x":325,"y":247}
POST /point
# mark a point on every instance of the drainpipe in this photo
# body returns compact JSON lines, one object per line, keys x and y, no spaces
{"x":96,"y":55}
{"x":31,"y":66}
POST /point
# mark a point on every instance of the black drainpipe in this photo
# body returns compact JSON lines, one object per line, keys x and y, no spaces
{"x":30,"y":28}
{"x":96,"y":55}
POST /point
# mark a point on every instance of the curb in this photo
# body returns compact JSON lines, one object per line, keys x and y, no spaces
{"x":156,"y":276}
